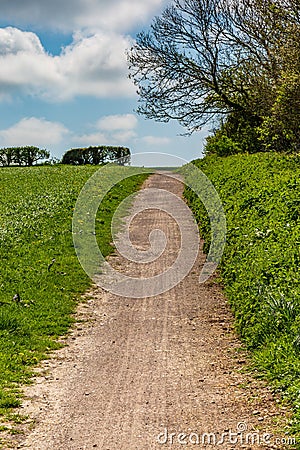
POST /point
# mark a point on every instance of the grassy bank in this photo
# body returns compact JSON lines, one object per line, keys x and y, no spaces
{"x":260,"y":267}
{"x":41,"y":278}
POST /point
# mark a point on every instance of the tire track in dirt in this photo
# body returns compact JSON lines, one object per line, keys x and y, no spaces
{"x":140,"y":366}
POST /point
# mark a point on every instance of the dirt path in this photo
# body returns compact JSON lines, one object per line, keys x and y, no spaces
{"x":136,"y":370}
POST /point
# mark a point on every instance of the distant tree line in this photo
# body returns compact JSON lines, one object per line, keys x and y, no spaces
{"x":29,"y":155}
{"x":97,"y":155}
{"x":22,"y":156}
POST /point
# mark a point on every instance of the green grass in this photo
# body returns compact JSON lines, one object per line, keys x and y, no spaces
{"x":260,"y":267}
{"x":36,"y":209}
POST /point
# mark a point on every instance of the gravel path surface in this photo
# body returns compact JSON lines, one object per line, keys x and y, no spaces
{"x":136,"y":373}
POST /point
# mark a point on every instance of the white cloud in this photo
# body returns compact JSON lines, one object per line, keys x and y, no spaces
{"x":155,"y":140}
{"x":93,"y":65}
{"x":124,"y":136}
{"x":92,"y":139}
{"x":116,"y":129}
{"x":118,"y":122}
{"x":68,"y":15}
{"x":14,"y":41}
{"x":32,"y":131}
{"x":24,"y":63}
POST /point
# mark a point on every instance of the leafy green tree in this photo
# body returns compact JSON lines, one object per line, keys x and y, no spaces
{"x":6,"y":156}
{"x":97,"y":155}
{"x":29,"y":155}
{"x":235,"y":135}
{"x":22,"y":156}
{"x":280,"y":130}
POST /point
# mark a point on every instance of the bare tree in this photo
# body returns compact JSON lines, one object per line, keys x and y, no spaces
{"x":206,"y":58}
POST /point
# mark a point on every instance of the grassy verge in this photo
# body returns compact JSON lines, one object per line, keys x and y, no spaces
{"x":260,"y":267}
{"x":41,"y":279}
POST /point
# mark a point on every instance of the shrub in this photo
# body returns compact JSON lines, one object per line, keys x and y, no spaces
{"x":221,"y":145}
{"x":236,"y":135}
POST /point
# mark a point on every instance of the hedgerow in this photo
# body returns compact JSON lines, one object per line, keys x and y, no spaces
{"x":97,"y":155}
{"x":260,"y":266}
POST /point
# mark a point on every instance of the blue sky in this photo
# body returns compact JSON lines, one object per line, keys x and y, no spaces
{"x":63,"y":78}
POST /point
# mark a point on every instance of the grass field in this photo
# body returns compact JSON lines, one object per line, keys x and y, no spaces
{"x":260,"y":267}
{"x":38,"y":295}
